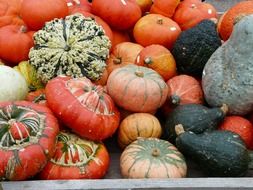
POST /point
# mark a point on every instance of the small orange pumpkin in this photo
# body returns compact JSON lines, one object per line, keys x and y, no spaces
{"x":158,"y":58}
{"x":119,"y":37}
{"x":164,"y":7}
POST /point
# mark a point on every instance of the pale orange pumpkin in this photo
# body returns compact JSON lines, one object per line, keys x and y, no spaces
{"x":123,"y":54}
{"x":138,"y":125}
{"x":158,"y":58}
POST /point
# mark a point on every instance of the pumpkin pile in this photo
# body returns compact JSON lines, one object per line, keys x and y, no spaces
{"x":153,"y":75}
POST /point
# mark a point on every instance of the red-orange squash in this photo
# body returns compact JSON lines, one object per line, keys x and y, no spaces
{"x":191,"y":12}
{"x":164,"y":7}
{"x":138,"y":125}
{"x":156,"y":29}
{"x":119,"y":37}
{"x":120,"y":14}
{"x":123,"y":54}
{"x":15,"y":43}
{"x":78,"y":5}
{"x":136,"y":88}
{"x":152,"y":158}
{"x":158,"y":58}
{"x":35,"y":13}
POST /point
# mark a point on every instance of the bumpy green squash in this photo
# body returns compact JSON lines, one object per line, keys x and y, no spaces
{"x":228,"y":75}
{"x":75,"y":46}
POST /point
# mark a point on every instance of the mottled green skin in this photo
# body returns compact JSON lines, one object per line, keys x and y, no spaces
{"x":194,"y":117}
{"x":228,"y":75}
{"x":194,"y":47}
{"x":75,"y":46}
{"x":218,"y":153}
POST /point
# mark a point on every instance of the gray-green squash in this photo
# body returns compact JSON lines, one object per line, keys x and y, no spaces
{"x":228,"y":75}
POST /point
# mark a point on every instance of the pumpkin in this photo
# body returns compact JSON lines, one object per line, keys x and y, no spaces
{"x":145,"y":5}
{"x":195,"y":46}
{"x":76,"y":158}
{"x":37,"y":96}
{"x":13,"y":86}
{"x":123,"y":54}
{"x":136,"y":88}
{"x":164,"y":7}
{"x":83,"y":107}
{"x":184,"y":89}
{"x":240,"y":126}
{"x":81,"y":51}
{"x":119,"y":37}
{"x":17,"y":49}
{"x":37,"y":13}
{"x":166,"y":31}
{"x":138,"y":125}
{"x":152,"y":158}
{"x":27,"y":139}
{"x":103,"y":80}
{"x":120,"y":14}
{"x":227,"y":76}
{"x":29,"y":72}
{"x":191,"y":12}
{"x":158,"y":58}
{"x":78,"y":5}
{"x":226,"y":22}
{"x":9,"y":13}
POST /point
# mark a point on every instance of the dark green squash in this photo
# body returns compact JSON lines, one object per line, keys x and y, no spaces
{"x":194,"y":117}
{"x":194,"y":47}
{"x":218,"y":153}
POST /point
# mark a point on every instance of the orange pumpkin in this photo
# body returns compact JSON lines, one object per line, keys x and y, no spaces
{"x":120,"y":14}
{"x":123,"y":54}
{"x":136,"y":88}
{"x":164,"y":7}
{"x":10,"y":12}
{"x":156,"y":29}
{"x":119,"y":37}
{"x":226,"y":22}
{"x":145,"y":5}
{"x":158,"y":58}
{"x":241,"y":126}
{"x":191,"y":12}
{"x":103,"y":80}
{"x":138,"y":125}
{"x":78,"y":5}
{"x":37,"y":96}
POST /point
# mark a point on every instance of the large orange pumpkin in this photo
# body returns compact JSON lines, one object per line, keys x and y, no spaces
{"x":15,"y":43}
{"x":156,"y":29}
{"x":10,"y":12}
{"x":78,"y":5}
{"x":164,"y":7}
{"x":120,"y":14}
{"x":158,"y":58}
{"x":119,"y":37}
{"x":191,"y":12}
{"x":136,"y":88}
{"x":123,"y":54}
{"x":35,"y":13}
{"x":226,"y":22}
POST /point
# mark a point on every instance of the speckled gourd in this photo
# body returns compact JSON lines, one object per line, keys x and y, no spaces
{"x":228,"y":75}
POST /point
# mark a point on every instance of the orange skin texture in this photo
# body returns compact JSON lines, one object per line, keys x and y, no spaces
{"x":164,"y":7}
{"x":158,"y":58}
{"x":35,"y":13}
{"x":123,"y":54}
{"x":119,"y":37}
{"x":80,"y":5}
{"x":119,"y":14}
{"x":166,"y":31}
{"x":17,"y":49}
{"x":241,"y":126}
{"x":191,"y":12}
{"x":145,"y":5}
{"x":226,"y":22}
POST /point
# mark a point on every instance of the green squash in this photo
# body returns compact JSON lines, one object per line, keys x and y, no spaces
{"x":228,"y":75}
{"x":75,"y":46}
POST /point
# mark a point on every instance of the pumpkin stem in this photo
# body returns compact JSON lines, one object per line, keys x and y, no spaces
{"x":117,"y":61}
{"x":175,"y":99}
{"x":139,"y":73}
{"x":179,"y":129}
{"x":23,"y":29}
{"x":160,"y":21}
{"x":148,"y":60}
{"x":224,"y":108}
{"x":193,"y":6}
{"x":156,"y":152}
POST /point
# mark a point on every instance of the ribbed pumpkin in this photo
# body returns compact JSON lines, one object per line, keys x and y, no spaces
{"x":152,"y":158}
{"x":138,"y":125}
{"x":136,"y":88}
{"x":159,"y":58}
